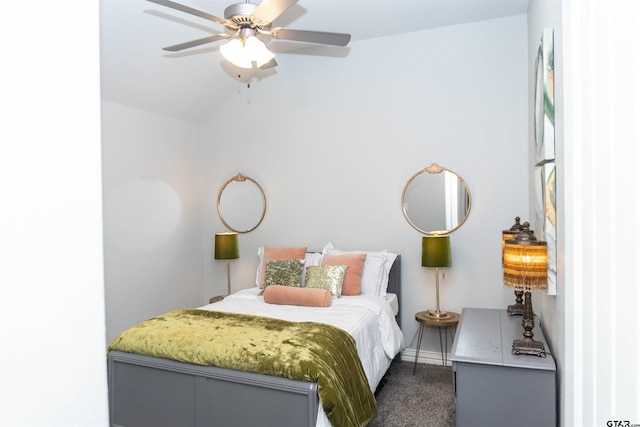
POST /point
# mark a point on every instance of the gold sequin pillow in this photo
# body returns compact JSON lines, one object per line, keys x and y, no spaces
{"x":284,"y":273}
{"x":328,"y":277}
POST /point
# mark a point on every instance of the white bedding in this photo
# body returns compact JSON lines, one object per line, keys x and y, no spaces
{"x":368,"y":318}
{"x":392,"y":299}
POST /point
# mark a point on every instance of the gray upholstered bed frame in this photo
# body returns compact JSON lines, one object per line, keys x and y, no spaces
{"x":155,"y":392}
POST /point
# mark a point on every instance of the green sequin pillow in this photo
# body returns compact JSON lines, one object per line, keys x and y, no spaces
{"x":328,"y":277}
{"x":284,"y":273}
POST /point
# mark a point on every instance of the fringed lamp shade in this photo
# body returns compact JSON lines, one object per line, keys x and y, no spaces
{"x":525,"y":263}
{"x":511,"y":234}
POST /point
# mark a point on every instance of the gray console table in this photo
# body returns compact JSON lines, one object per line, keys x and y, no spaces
{"x":494,"y":387}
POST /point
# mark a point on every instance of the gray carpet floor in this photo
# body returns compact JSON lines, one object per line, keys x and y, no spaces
{"x":421,"y":400}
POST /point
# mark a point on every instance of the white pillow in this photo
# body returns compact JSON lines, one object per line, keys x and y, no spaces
{"x":310,"y":258}
{"x":372,"y":274}
{"x":377,"y":265}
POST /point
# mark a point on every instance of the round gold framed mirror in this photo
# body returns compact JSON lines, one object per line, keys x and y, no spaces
{"x":241,"y":204}
{"x":436,"y":200}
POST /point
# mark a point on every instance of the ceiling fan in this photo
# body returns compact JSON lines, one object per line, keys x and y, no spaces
{"x":243,"y":22}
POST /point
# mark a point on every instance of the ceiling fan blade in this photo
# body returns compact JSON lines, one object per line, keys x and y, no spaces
{"x":269,"y":10}
{"x":320,"y":37}
{"x":193,"y":43}
{"x":192,"y":11}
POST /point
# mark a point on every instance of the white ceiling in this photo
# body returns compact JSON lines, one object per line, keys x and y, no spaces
{"x":188,"y":84}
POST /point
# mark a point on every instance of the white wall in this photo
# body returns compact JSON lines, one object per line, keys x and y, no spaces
{"x":334,"y":140}
{"x":593,"y":322}
{"x":152,"y":183}
{"x":602,"y":234}
{"x":52,"y":362}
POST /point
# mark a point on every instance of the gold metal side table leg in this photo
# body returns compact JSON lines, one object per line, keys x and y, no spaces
{"x":415,"y":362}
{"x":442,"y":351}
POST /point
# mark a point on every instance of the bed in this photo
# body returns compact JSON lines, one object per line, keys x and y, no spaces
{"x":146,"y":390}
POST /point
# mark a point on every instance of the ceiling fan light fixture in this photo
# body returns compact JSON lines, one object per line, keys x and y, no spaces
{"x":233,"y":51}
{"x":243,"y":53}
{"x":257,"y":51}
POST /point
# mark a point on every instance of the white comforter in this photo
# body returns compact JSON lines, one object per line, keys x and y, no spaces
{"x":368,"y":318}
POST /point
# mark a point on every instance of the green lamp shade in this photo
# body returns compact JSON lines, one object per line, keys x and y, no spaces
{"x":436,"y":251}
{"x":226,"y":246}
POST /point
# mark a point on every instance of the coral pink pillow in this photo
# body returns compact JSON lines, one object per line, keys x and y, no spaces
{"x":287,"y":295}
{"x":353,"y":277}
{"x":280,"y":254}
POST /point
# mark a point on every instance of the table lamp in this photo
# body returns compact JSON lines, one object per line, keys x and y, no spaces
{"x":436,"y":252}
{"x":226,"y":248}
{"x":525,"y":268}
{"x":518,"y":307}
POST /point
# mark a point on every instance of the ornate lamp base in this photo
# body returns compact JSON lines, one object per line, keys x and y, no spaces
{"x":515,"y":310}
{"x":528,"y":346}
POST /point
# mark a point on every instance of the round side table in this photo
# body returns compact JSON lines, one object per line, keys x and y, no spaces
{"x":425,"y":320}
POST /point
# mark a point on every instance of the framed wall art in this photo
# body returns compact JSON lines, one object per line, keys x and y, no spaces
{"x":545,"y":218}
{"x":544,"y":102}
{"x":545,"y":153}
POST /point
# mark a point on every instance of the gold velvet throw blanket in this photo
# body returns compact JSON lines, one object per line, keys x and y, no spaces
{"x":305,"y":351}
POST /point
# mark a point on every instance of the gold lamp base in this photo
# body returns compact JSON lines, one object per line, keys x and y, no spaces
{"x":438,"y":314}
